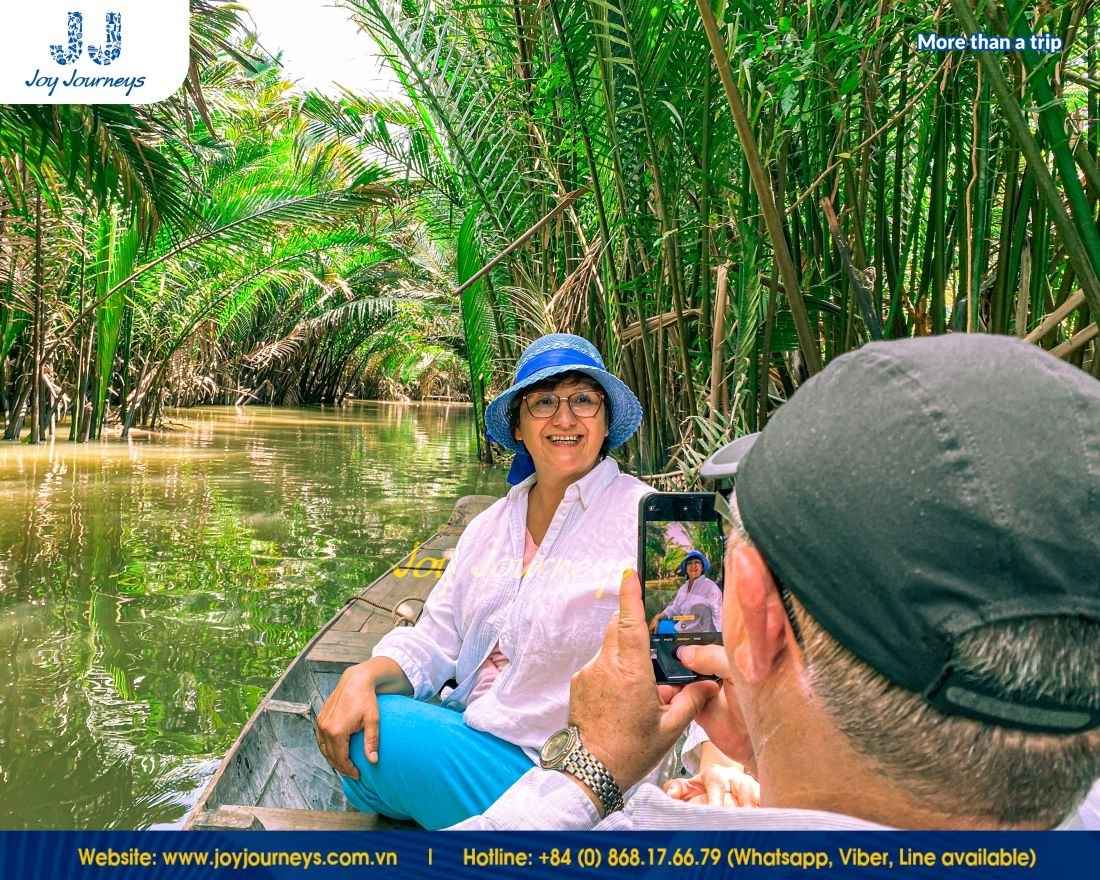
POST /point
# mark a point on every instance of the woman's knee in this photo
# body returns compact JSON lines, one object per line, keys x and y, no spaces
{"x":406,"y":729}
{"x":374,"y":790}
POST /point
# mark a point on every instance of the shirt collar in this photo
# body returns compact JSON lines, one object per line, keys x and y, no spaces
{"x":591,"y":484}
{"x":586,"y":488}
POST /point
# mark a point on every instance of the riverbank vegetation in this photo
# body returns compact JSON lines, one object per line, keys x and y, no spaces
{"x":722,"y":199}
{"x":725,"y":199}
{"x":205,"y":250}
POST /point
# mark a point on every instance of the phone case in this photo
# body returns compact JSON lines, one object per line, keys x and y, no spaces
{"x":666,"y":668}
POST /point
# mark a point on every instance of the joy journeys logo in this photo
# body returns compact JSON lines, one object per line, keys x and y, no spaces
{"x":71,"y":53}
{"x":148,"y":59}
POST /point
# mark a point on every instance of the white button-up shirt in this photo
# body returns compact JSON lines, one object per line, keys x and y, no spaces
{"x":548,"y":622}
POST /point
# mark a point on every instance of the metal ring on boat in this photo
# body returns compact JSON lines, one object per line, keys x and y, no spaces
{"x":407,"y":612}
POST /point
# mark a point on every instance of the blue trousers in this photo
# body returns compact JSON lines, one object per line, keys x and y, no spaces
{"x":432,"y":768}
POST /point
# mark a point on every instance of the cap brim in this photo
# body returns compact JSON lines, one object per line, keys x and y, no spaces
{"x":725,"y":461}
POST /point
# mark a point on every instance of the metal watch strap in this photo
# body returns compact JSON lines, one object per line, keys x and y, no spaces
{"x":592,"y":772}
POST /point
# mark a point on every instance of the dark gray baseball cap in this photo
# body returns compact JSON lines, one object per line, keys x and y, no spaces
{"x":917,"y":489}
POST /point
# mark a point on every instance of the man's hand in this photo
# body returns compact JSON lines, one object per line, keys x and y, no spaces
{"x":613,"y":700}
{"x":721,"y":717}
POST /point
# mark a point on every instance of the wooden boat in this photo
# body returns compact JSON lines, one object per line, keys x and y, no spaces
{"x":273,"y":777}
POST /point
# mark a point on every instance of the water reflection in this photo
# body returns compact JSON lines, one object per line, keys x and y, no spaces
{"x":151,"y":592}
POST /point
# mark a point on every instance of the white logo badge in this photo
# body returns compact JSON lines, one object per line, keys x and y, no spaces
{"x":93,"y":52}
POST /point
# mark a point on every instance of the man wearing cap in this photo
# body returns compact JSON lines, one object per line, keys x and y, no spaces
{"x":911,"y":617}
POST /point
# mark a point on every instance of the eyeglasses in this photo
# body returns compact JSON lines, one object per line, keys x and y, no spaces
{"x":544,"y":404}
{"x":733,"y":524}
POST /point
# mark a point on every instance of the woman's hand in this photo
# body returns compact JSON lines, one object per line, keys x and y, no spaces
{"x":720,"y":782}
{"x":353,"y":706}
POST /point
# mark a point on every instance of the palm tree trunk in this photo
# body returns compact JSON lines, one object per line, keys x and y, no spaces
{"x":36,"y":338}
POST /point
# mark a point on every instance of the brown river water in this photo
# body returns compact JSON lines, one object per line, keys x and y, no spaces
{"x":152,"y":591}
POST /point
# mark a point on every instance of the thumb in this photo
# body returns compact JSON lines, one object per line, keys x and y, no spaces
{"x":631,"y":607}
{"x":685,"y":706}
{"x":705,"y":659}
{"x":633,"y":633}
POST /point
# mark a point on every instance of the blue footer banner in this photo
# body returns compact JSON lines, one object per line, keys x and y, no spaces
{"x":88,"y":855}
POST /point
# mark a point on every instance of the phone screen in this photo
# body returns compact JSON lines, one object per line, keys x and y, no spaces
{"x":682,"y":549}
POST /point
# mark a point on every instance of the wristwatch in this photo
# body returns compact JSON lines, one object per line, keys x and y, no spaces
{"x":564,"y":751}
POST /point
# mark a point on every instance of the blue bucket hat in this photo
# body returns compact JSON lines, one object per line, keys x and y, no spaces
{"x":552,"y":355}
{"x":694,"y":554}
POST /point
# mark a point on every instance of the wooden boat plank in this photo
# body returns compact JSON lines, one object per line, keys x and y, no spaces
{"x":281,"y":789}
{"x":342,"y":648}
{"x":314,"y":779}
{"x":436,"y":545}
{"x":268,"y":754}
{"x":390,"y":593}
{"x":235,"y":816}
{"x":287,"y":707}
{"x":352,"y":620}
{"x":325,"y":683}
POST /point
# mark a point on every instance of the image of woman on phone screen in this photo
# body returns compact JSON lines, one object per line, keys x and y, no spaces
{"x":697,"y":605}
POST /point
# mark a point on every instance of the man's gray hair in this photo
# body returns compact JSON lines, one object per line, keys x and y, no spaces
{"x":958,"y":765}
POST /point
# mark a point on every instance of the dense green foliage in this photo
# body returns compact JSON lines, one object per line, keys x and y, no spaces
{"x":702,"y":256}
{"x":206,"y":250}
{"x":722,"y":198}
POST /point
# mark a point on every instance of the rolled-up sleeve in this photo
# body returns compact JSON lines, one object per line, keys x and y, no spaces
{"x":428,"y":652}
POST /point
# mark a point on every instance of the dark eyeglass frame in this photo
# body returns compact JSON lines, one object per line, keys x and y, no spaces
{"x":568,"y":399}
{"x":722,"y":508}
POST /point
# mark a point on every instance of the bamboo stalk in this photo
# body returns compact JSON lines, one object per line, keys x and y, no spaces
{"x":1079,"y":339}
{"x":718,"y":336}
{"x":1054,"y":318}
{"x":807,"y":338}
{"x":37,"y":363}
{"x":1023,"y":301}
{"x":938,"y":217}
{"x":564,"y":203}
{"x":82,"y":331}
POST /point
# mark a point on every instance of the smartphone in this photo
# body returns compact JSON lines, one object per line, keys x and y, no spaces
{"x":681,"y":544}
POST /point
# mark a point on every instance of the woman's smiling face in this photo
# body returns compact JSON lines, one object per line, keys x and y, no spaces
{"x":694,"y":569}
{"x":564,"y":446}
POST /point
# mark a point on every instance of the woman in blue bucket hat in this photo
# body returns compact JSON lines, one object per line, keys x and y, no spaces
{"x":522,"y":605}
{"x":548,"y":359}
{"x":697,"y":605}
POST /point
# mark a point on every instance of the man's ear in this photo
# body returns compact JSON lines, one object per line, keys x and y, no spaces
{"x":762,"y":615}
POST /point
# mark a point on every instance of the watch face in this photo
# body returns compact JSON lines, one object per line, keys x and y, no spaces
{"x":556,"y":748}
